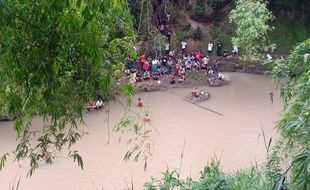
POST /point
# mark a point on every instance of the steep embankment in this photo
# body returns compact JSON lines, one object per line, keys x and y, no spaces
{"x":200,"y":21}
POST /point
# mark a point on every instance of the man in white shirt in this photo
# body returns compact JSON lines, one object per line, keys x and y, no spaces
{"x":99,"y":105}
{"x":221,"y":76}
{"x":183,"y":46}
{"x":210,"y":47}
{"x":235,"y":49}
{"x":205,"y":62}
{"x":269,"y":57}
{"x":167,"y":48}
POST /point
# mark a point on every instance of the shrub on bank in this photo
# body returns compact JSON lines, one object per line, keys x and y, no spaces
{"x":213,"y":178}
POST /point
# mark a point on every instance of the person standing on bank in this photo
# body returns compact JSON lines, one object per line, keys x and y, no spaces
{"x":210,"y":47}
{"x":235,"y":49}
{"x":219,"y":50}
{"x":167,"y":48}
{"x":183,"y":47}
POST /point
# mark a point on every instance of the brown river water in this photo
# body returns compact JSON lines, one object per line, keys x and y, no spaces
{"x":234,"y":137}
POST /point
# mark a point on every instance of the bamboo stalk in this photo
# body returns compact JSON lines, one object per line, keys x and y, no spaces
{"x":140,"y":19}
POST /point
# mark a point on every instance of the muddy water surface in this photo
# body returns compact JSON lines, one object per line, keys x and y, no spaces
{"x":234,"y":137}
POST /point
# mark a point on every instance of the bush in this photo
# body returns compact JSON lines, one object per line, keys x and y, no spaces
{"x":200,"y":7}
{"x":212,"y":178}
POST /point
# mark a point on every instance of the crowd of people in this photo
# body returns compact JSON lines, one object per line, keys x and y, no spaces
{"x":175,"y":66}
{"x":171,"y":64}
{"x":164,"y":25}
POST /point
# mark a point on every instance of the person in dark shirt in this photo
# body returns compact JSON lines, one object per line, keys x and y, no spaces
{"x":219,"y":49}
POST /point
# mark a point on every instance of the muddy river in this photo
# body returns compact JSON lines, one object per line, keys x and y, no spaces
{"x":235,"y":137}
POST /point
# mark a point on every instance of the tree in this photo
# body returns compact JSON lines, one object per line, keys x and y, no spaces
{"x":293,"y":74}
{"x":159,"y":42}
{"x":251,"y":21}
{"x":55,"y":56}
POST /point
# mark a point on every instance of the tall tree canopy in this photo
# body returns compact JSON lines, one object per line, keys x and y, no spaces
{"x":251,"y":20}
{"x":54,"y":56}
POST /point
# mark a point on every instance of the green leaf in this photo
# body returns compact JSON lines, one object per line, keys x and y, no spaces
{"x":76,"y":157}
{"x":3,"y":160}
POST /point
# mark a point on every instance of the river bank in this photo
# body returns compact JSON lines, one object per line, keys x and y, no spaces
{"x":199,"y":77}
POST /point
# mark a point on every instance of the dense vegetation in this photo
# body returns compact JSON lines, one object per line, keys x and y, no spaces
{"x":212,"y":178}
{"x":291,"y":19}
{"x":294,"y":124}
{"x":251,"y":21}
{"x":55,"y":56}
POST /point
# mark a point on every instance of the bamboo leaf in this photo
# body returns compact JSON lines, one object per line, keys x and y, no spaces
{"x":3,"y":159}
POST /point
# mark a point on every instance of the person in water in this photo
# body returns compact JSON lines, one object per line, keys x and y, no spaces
{"x":195,"y":92}
{"x":147,"y":118}
{"x":47,"y":157}
{"x":140,"y":103}
{"x":91,"y":105}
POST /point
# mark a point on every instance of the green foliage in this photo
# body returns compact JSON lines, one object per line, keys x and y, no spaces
{"x":293,"y":75}
{"x":128,"y":91}
{"x":76,"y":157}
{"x":184,"y":32}
{"x":212,"y":178}
{"x":288,"y":32}
{"x":251,"y":20}
{"x":249,"y":179}
{"x":55,"y":56}
{"x":159,"y":42}
{"x":224,"y":34}
{"x":272,"y":168}
{"x":140,"y":136}
{"x":3,"y":160}
{"x":200,"y":7}
{"x":170,"y":180}
{"x":134,"y":7}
